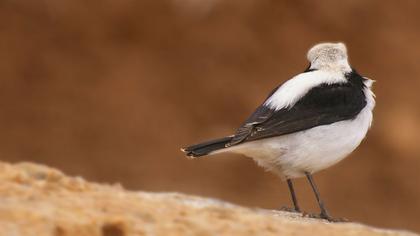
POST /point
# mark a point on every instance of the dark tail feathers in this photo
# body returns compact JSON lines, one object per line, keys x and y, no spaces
{"x":206,"y":148}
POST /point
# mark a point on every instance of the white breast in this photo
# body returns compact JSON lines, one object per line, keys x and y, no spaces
{"x":311,"y":150}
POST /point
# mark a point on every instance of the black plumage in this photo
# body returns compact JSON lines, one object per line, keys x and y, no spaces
{"x":321,"y":105}
{"x":205,"y":148}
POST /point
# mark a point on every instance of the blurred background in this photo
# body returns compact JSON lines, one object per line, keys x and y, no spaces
{"x":110,"y":90}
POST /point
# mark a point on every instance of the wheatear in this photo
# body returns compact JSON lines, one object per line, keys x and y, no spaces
{"x":306,"y":124}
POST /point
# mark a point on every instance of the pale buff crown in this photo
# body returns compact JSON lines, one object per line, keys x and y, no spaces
{"x":329,"y":56}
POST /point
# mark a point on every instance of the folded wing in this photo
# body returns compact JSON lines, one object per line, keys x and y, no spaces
{"x":322,"y":105}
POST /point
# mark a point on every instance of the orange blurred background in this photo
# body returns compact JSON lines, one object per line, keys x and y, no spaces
{"x":110,"y":90}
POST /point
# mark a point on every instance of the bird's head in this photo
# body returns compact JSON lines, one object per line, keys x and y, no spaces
{"x":329,"y":56}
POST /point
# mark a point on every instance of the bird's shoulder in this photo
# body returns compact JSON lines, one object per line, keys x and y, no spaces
{"x":288,"y":93}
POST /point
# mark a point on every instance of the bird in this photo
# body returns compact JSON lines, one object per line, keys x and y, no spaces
{"x":306,"y":124}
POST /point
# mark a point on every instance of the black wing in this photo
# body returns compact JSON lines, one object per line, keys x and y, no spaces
{"x":322,"y":105}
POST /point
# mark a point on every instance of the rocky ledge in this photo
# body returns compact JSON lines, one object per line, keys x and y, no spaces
{"x":38,"y":200}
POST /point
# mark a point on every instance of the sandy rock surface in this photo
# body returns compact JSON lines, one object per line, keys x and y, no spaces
{"x":37,"y":200}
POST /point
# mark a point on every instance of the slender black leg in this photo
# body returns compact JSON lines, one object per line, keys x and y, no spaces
{"x":296,"y":207}
{"x":324,"y":214}
{"x":292,"y":193}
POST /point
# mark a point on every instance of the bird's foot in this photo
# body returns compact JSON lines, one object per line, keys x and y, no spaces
{"x":290,"y":209}
{"x":327,"y":217}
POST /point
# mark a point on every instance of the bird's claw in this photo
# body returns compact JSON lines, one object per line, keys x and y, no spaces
{"x":290,"y":209}
{"x":327,"y":217}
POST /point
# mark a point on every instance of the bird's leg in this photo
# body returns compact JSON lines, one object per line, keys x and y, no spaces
{"x":296,"y":207}
{"x":293,"y":195}
{"x":324,"y":213}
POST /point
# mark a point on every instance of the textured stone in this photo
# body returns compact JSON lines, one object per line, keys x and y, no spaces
{"x":37,"y":200}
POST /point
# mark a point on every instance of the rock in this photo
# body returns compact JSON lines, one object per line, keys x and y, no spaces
{"x":38,"y":200}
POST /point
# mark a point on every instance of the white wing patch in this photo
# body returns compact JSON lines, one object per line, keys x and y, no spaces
{"x":294,"y":89}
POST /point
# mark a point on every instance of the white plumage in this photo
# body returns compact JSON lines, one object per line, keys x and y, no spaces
{"x":311,"y":150}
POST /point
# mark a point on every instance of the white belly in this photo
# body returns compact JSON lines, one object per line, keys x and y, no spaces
{"x":308,"y":151}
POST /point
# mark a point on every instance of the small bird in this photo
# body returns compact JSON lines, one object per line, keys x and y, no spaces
{"x":307,"y":124}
